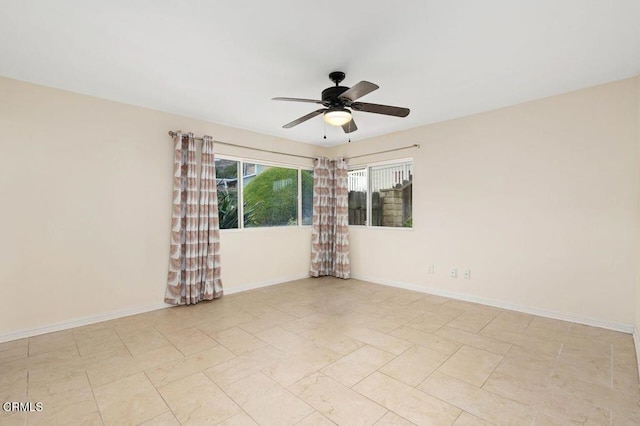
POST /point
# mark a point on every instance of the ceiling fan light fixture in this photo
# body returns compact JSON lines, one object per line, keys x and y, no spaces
{"x":337,"y":116}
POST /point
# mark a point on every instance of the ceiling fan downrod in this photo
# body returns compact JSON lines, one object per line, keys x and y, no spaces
{"x":337,"y":77}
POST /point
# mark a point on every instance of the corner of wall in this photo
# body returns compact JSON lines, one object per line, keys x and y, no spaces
{"x":636,"y":331}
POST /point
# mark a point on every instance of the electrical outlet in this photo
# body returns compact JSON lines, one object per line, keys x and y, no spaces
{"x":453,"y":273}
{"x":432,"y":269}
{"x":467,"y":274}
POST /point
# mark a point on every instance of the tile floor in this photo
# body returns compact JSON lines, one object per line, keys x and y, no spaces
{"x":325,"y":351}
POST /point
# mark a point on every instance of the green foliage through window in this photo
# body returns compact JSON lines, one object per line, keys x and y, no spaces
{"x":273,"y":196}
{"x":270,"y":195}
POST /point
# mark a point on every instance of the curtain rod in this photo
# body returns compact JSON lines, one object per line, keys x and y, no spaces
{"x":172,"y":134}
{"x":415,"y":145}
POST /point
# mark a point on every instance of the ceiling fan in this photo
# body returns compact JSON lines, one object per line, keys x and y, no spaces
{"x":338,"y":99}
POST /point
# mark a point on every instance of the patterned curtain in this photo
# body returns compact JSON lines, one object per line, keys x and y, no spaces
{"x":194,"y":265}
{"x":330,"y":232}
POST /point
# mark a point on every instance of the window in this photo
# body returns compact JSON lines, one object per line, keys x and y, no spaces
{"x":248,"y":169}
{"x":383,"y":192}
{"x":358,"y":196}
{"x":307,"y":196}
{"x":264,"y":195}
{"x":270,"y":196}
{"x":227,"y":186}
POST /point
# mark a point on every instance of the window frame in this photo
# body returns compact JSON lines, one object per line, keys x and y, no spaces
{"x":364,"y":167}
{"x":367,"y":166}
{"x":240,"y":187}
{"x":300,"y":169}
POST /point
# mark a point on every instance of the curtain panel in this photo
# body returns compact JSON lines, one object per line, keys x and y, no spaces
{"x":330,"y":230}
{"x":194,"y":264}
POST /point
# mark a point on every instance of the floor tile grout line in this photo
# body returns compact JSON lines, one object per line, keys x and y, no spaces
{"x":365,"y":345}
{"x":611,"y":382}
{"x":95,"y":400}
{"x":350,"y":388}
{"x":184,"y":356}
{"x":285,"y":312}
{"x":341,"y":384}
{"x":610,"y":417}
{"x":29,"y":342}
{"x":286,"y":389}
{"x":482,"y":389}
{"x":242,"y":410}
{"x":441,"y":364}
{"x":28,"y":394}
{"x":366,"y":377}
{"x":492,"y":371}
{"x":456,"y":317}
{"x":310,"y":414}
{"x":447,"y":402}
{"x":555,"y":365}
{"x":123,"y":342}
{"x":401,"y":416}
{"x":114,"y":380}
{"x":365,"y":396}
{"x":487,"y":324}
{"x":490,"y":339}
{"x":394,"y":356}
{"x":240,"y":378}
{"x":162,"y":397}
{"x":458,"y":416}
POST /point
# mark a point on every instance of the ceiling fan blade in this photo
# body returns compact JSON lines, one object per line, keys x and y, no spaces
{"x":304,"y":118}
{"x":359,"y":90}
{"x":311,"y":101}
{"x":350,"y":126}
{"x":381,"y":109}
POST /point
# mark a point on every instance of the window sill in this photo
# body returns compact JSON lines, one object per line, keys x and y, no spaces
{"x":256,"y":228}
{"x":386,"y":228}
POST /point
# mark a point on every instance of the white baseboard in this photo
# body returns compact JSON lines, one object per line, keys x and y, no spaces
{"x":79,"y":322}
{"x":253,"y":286}
{"x":624,"y":328}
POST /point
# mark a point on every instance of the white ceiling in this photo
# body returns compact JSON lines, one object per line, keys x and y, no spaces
{"x":222,"y":61}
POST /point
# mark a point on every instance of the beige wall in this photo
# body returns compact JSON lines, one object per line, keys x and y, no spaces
{"x":539,"y":201}
{"x":86,"y":193}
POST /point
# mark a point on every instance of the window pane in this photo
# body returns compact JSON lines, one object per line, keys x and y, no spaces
{"x":270,"y":195}
{"x":391,"y":195}
{"x":307,"y":197}
{"x":249,"y":169}
{"x":358,"y":197}
{"x":227,"y":185}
